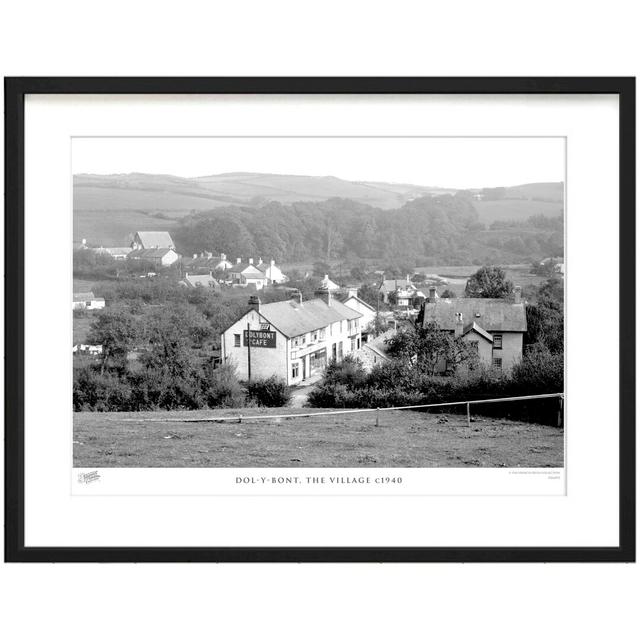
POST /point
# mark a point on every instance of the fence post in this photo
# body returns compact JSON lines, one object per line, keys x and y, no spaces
{"x":377,"y":416}
{"x":240,"y":418}
{"x":560,"y":411}
{"x":468,"y":416}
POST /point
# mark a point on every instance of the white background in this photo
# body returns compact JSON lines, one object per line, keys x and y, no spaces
{"x":332,"y":38}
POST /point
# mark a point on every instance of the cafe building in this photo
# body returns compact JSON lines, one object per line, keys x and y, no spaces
{"x":293,"y":339}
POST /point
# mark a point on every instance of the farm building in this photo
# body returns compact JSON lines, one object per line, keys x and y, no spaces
{"x":292,"y":339}
{"x":496,"y":325}
{"x":152,"y":240}
{"x":87,"y":301}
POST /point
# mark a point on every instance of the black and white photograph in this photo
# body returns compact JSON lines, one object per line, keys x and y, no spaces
{"x":319,"y":302}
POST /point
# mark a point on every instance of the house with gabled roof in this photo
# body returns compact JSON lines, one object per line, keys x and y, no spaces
{"x":152,"y":240}
{"x":368,"y":312}
{"x":159,"y":257}
{"x":496,"y":326}
{"x":243,"y":274}
{"x":272,"y":272}
{"x":293,"y":339}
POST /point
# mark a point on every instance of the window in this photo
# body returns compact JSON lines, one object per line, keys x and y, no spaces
{"x":236,"y":339}
{"x":497,"y":341}
{"x":353,"y":344}
{"x":497,"y":363}
{"x":295,"y":369}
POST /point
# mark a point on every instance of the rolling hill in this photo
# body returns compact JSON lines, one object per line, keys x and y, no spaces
{"x":109,"y":208}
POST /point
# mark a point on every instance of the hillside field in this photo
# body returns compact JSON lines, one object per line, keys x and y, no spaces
{"x":403,"y":439}
{"x":115,"y":228}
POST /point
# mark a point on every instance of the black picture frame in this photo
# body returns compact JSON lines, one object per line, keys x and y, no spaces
{"x":15,"y":91}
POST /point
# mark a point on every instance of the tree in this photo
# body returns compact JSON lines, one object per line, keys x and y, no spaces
{"x":488,"y":282}
{"x":116,"y":329}
{"x":447,"y":293}
{"x":429,"y":348}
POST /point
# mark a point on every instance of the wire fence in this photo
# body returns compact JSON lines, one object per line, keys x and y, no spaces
{"x":334,"y":412}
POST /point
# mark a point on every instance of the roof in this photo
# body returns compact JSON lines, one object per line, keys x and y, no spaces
{"x":379,"y":344}
{"x":491,"y":314}
{"x":359,"y":301}
{"x":149,"y":253}
{"x":241,"y":267}
{"x":294,"y":319}
{"x":151,"y":239}
{"x":474,"y":326}
{"x":328,"y":284}
{"x":84,"y":296}
{"x":206,"y":280}
{"x":396,"y":283}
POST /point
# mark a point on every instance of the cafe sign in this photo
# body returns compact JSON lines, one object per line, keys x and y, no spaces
{"x":263,"y":339}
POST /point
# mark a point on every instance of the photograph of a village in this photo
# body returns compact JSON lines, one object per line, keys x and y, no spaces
{"x":260,"y":306}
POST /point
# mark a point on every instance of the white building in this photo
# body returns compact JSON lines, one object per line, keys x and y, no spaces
{"x":246,"y":273}
{"x":366,"y":310}
{"x":292,"y":339}
{"x":272,"y":273}
{"x":193,"y":281}
{"x":87,"y":301}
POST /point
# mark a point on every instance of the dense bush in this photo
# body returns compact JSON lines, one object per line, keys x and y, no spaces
{"x":269,"y":392}
{"x":398,"y":383}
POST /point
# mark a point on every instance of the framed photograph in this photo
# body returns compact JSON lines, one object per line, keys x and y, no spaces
{"x":320,"y":319}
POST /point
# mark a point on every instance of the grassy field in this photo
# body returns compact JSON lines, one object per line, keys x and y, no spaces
{"x":403,"y":439}
{"x":115,"y":228}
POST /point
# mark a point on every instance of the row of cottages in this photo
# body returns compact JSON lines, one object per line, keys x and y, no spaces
{"x":87,"y":301}
{"x":495,"y":325}
{"x":260,"y":274}
{"x":292,"y":339}
{"x":156,"y":247}
{"x":207,"y":260}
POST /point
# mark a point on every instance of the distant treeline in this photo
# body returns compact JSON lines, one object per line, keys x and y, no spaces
{"x":443,"y":229}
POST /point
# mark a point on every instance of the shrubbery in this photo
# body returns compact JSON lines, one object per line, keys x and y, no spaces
{"x":269,"y":392}
{"x":397,"y":383}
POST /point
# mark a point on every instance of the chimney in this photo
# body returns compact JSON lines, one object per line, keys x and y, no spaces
{"x":84,"y":242}
{"x":408,"y":279}
{"x":238,"y":260}
{"x":517,"y":295}
{"x":352,"y":292}
{"x":223,"y":256}
{"x":273,"y":262}
{"x":195,"y":255}
{"x":459,"y":325}
{"x":254,"y":303}
{"x":324,"y":293}
{"x":432,"y":294}
{"x":297,"y":296}
{"x":250,"y":260}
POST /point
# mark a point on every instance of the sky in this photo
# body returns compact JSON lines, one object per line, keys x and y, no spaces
{"x":437,"y":162}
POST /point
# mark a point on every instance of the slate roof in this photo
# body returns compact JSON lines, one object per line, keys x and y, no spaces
{"x":84,"y":296}
{"x":379,"y":344}
{"x":151,"y":239}
{"x":294,"y":319}
{"x":474,"y":326}
{"x":149,"y":254}
{"x":205,"y":280}
{"x":359,"y":301}
{"x":492,"y":314}
{"x":397,"y":283}
{"x":243,"y":266}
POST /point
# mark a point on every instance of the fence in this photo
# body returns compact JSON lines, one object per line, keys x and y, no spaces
{"x":378,"y":411}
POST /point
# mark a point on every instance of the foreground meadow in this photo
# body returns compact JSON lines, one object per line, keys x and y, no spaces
{"x":402,"y":439}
